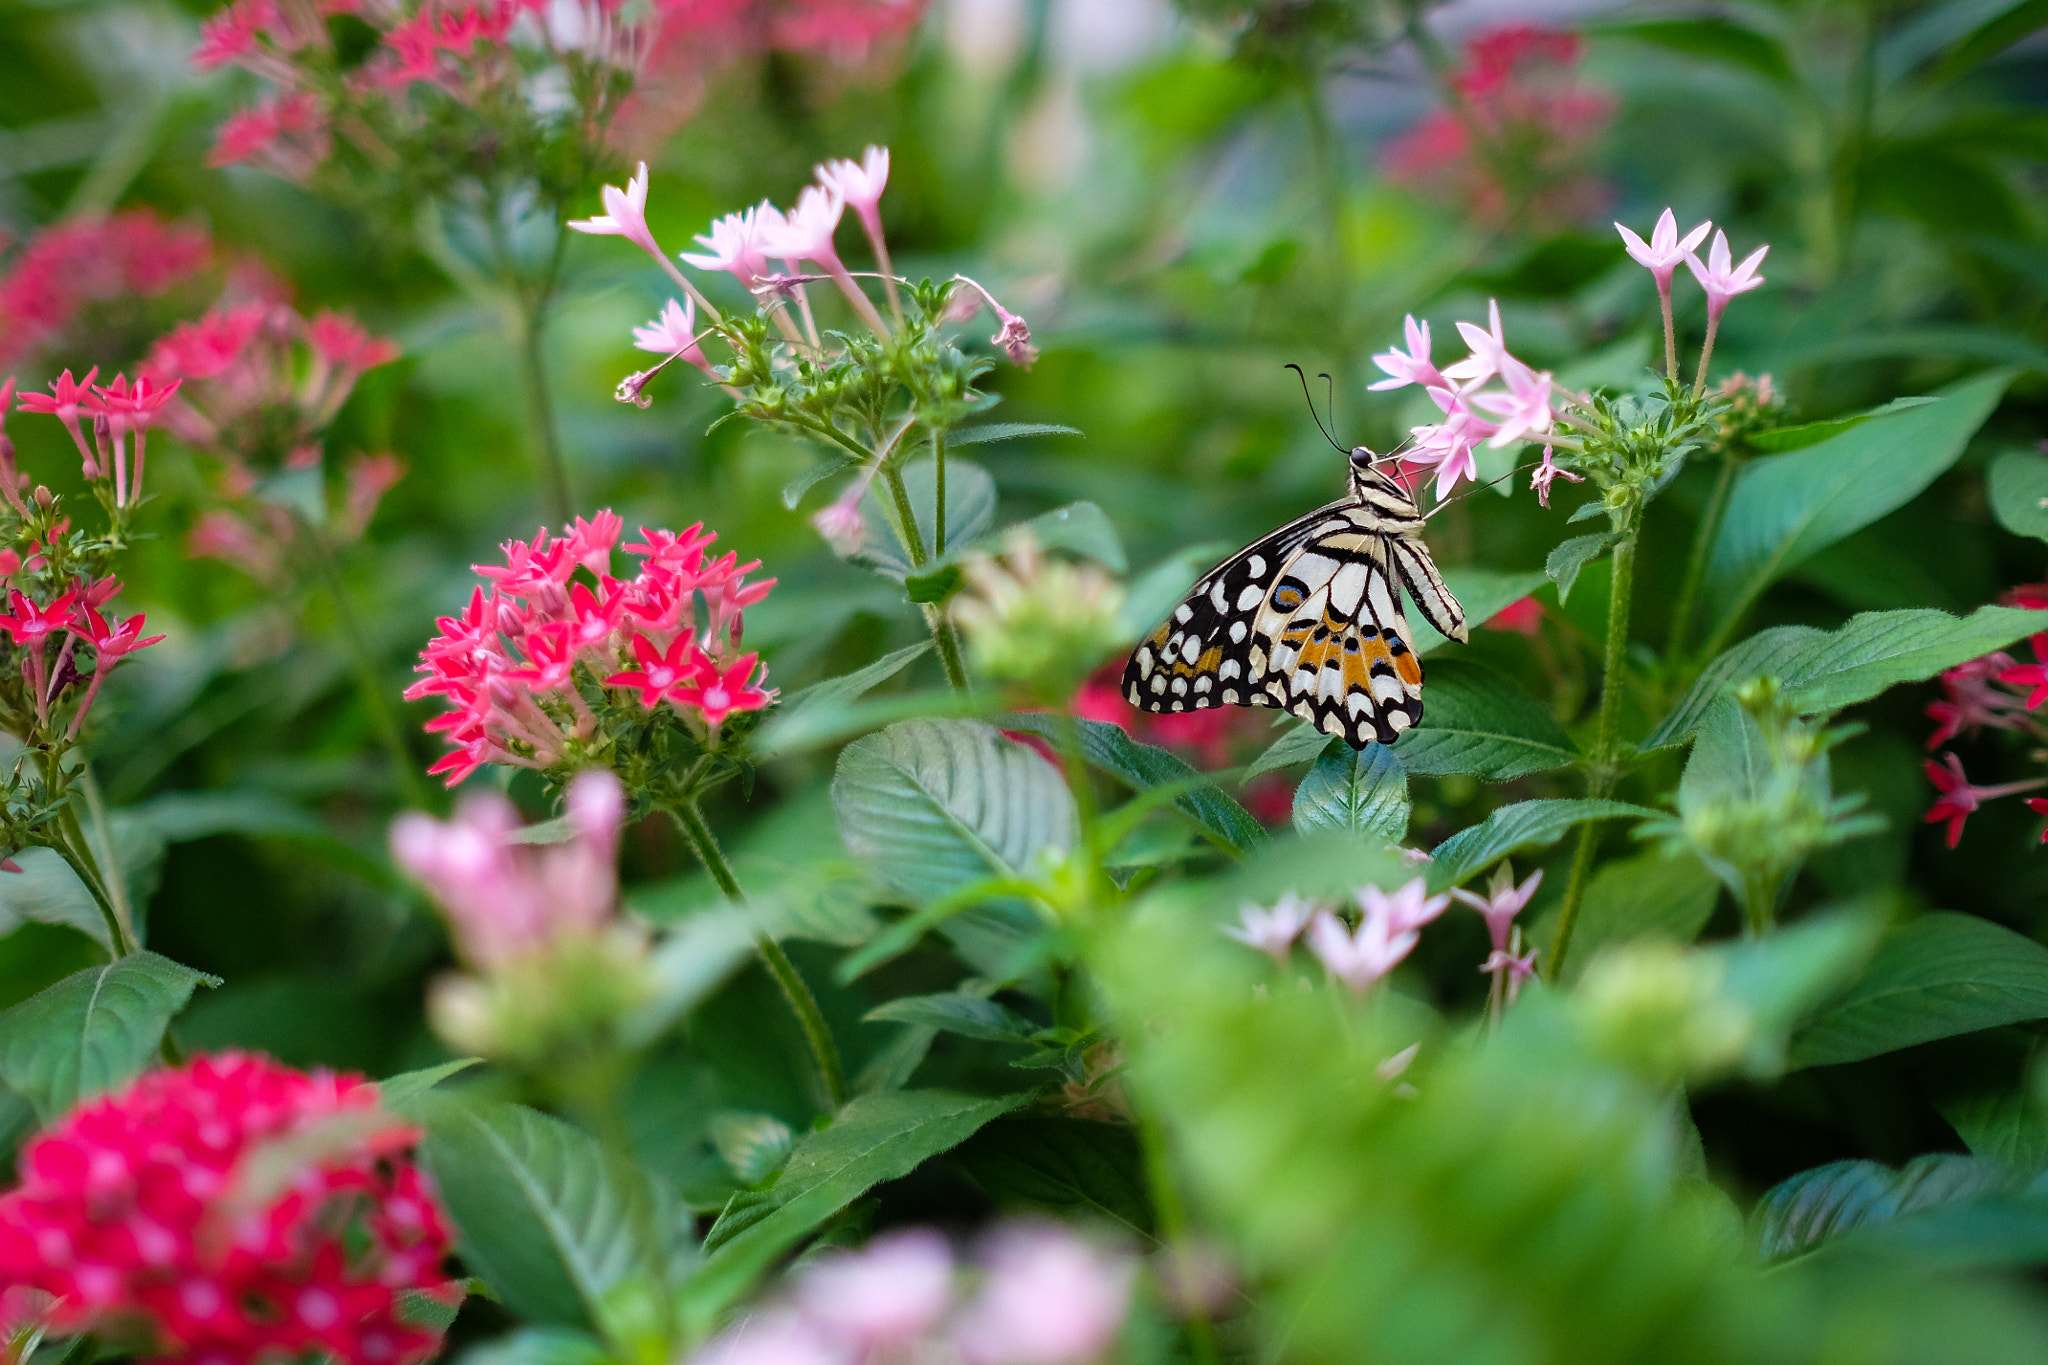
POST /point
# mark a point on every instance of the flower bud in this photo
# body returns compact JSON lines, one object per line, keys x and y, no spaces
{"x":1038,"y":622}
{"x":1660,"y":1009}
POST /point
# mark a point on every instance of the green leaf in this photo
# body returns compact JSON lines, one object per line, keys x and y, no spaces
{"x":1567,"y":560}
{"x":1526,"y":824}
{"x":1070,"y":1168}
{"x":800,"y":709}
{"x":1003,"y":431}
{"x":832,"y":721}
{"x":554,"y":1222}
{"x":2020,"y":20}
{"x":1716,"y":40}
{"x":1827,"y":670}
{"x":1299,"y":742}
{"x":403,"y":1088}
{"x":94,"y":1031}
{"x":1777,"y":979}
{"x":1649,"y":896}
{"x":1482,"y":593}
{"x":933,"y":805}
{"x":1781,"y":439}
{"x":1987,"y":1087}
{"x":1786,"y":508}
{"x":1803,"y":1211}
{"x":2019,"y":492}
{"x":936,"y":587}
{"x":1110,"y":749}
{"x":970,"y":1016}
{"x":1476,"y":721}
{"x":793,"y":491}
{"x":540,"y":1346}
{"x":970,"y":510}
{"x":1079,"y":528}
{"x":875,"y":1138}
{"x":1933,"y":977}
{"x":1361,"y":791}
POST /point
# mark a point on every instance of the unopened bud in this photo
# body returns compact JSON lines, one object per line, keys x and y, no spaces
{"x":44,"y":498}
{"x":1041,"y":622}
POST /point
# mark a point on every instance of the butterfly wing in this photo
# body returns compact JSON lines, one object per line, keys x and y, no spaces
{"x":1308,"y":620}
{"x":1201,"y":654}
{"x":1427,"y":589}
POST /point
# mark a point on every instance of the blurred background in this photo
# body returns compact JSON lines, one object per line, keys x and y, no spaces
{"x":1181,"y":199}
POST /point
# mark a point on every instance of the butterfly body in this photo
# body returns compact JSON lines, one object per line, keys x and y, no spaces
{"x":1309,"y":620}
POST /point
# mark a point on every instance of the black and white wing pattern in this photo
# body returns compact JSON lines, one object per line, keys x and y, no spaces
{"x":1308,"y":620}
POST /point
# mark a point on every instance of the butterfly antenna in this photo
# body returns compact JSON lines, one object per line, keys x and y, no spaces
{"x":1476,"y":487}
{"x":1303,"y":377}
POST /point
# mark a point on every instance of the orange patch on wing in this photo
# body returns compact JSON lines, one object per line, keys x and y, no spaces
{"x":1410,"y":668}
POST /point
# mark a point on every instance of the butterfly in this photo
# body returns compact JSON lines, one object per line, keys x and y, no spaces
{"x":1309,"y":620}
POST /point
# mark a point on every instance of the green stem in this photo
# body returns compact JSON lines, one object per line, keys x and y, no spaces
{"x":72,"y":846}
{"x":554,"y":475}
{"x":913,"y":538}
{"x":913,"y":541}
{"x":824,"y":1052}
{"x":949,"y":647}
{"x":362,"y":660}
{"x":939,"y":463}
{"x":1173,"y":1229}
{"x":1702,"y":548}
{"x":105,"y":853}
{"x":1604,"y":770}
{"x":1075,"y":766}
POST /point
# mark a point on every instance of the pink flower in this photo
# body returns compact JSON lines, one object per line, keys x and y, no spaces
{"x":1449,"y":445}
{"x":625,"y":215}
{"x":110,"y":642}
{"x":883,"y":1297}
{"x":507,"y":900}
{"x":1273,"y":931}
{"x":674,"y":332}
{"x":1360,"y":957}
{"x":805,"y":232}
{"x":1524,"y":616}
{"x":343,"y":343}
{"x":859,"y":184}
{"x":1959,"y":798}
{"x":735,"y":242}
{"x":2039,"y":805}
{"x":122,"y":1219}
{"x":1665,"y":249}
{"x":1719,"y":278}
{"x":1525,"y":409}
{"x":1501,"y":903}
{"x":1547,"y":473}
{"x":773,"y":1338}
{"x":1489,"y":348}
{"x":29,"y":624}
{"x":1412,"y":366}
{"x":841,"y":524}
{"x":1518,"y":969}
{"x":1409,"y":907}
{"x":1049,"y":1298}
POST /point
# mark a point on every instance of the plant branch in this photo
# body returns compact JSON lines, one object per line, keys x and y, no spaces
{"x":802,"y":1003}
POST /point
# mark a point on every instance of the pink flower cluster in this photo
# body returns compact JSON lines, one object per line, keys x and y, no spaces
{"x":506,"y":899}
{"x":1537,"y":124}
{"x":1521,"y":408}
{"x":159,"y":1218}
{"x":1389,"y":926}
{"x":1981,"y":695}
{"x":115,"y":411}
{"x":82,"y":261}
{"x":258,"y":385}
{"x":1047,"y":1296}
{"x":510,"y":662}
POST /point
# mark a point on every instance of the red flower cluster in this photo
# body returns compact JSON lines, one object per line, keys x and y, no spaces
{"x":1979,"y":695}
{"x":83,"y":261}
{"x":118,"y":410}
{"x":466,"y":48}
{"x":1520,"y":89}
{"x":161,"y":1217}
{"x":509,"y":662}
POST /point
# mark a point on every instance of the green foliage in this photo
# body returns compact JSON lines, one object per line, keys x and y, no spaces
{"x":94,"y":1031}
{"x":1526,"y":824}
{"x":1361,"y":791}
{"x":1072,"y":1168}
{"x":1808,"y":1209}
{"x":1477,"y":721}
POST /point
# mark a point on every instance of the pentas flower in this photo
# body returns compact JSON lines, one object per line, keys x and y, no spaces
{"x":1502,"y":902}
{"x":1361,"y":956}
{"x":1665,"y":250}
{"x":1973,"y":699}
{"x":1547,"y":473}
{"x":1960,"y":797}
{"x":1048,"y":1298}
{"x":1720,"y":277}
{"x":625,"y":215}
{"x":1412,"y":366}
{"x":1273,"y":931}
{"x":1517,"y":969}
{"x":527,"y":664}
{"x":2034,"y":675}
{"x":508,"y":900}
{"x":884,"y":1296}
{"x":80,"y":262}
{"x":118,"y":1218}
{"x":1526,"y":404}
{"x":860,"y":185}
{"x":674,"y":333}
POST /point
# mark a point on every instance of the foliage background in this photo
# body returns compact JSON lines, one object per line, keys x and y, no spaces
{"x":1176,"y":224}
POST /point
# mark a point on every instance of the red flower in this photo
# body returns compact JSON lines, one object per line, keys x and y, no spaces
{"x":110,"y":642}
{"x":122,"y":1204}
{"x":724,"y":693}
{"x":2039,"y":805}
{"x":662,"y":676}
{"x":2033,"y":675}
{"x":30,"y":625}
{"x":1523,"y":618}
{"x":1959,"y":798}
{"x":342,"y":342}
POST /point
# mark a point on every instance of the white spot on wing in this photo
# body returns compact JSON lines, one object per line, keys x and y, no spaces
{"x":1347,"y":587}
{"x":1381,"y":600}
{"x":1398,"y":721}
{"x":1216,"y":595}
{"x":1229,"y":670}
{"x":1333,"y":724}
{"x":1257,"y":565}
{"x":1180,"y":687}
{"x":1182,"y":612}
{"x":1237,"y":632}
{"x":1202,"y":683}
{"x":1191,"y":649}
{"x":1230,"y":696}
{"x":1249,"y":598}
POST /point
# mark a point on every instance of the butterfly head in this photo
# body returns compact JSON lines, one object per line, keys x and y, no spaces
{"x":1372,"y":479}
